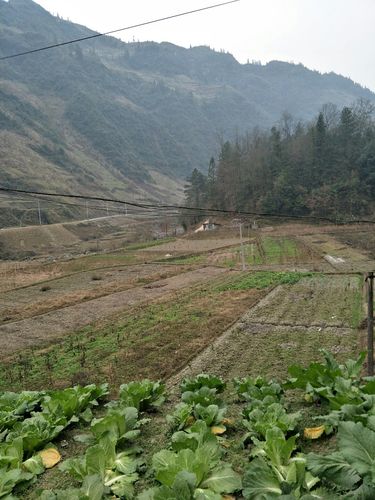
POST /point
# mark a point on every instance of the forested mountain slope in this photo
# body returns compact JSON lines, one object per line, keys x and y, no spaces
{"x":121,"y":118}
{"x":323,"y":168}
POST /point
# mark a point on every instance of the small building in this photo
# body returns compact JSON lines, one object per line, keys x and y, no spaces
{"x":207,"y":225}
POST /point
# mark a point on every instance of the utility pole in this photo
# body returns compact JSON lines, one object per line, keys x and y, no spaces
{"x":39,"y":214}
{"x":166,"y":228}
{"x":370,"y":323}
{"x":107,"y":209}
{"x":87,"y":210}
{"x":242,"y":250}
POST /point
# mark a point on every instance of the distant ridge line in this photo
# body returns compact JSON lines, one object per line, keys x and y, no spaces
{"x":97,"y":35}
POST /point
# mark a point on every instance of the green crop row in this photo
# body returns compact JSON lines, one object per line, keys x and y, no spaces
{"x":194,"y":463}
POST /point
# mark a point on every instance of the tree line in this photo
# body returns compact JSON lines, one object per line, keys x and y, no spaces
{"x":322,"y":168}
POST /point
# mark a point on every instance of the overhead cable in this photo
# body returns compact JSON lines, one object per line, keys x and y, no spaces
{"x":184,"y":208}
{"x":97,"y":35}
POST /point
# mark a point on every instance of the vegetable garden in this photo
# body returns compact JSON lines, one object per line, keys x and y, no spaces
{"x":308,"y":438}
{"x":268,"y":251}
{"x":200,"y":437}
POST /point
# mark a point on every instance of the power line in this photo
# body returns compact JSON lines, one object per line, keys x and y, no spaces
{"x":97,"y":35}
{"x":74,"y":196}
{"x":132,"y":211}
{"x":30,"y":198}
{"x":201,"y":211}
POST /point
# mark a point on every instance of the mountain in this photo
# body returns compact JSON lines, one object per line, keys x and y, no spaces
{"x":133,"y":118}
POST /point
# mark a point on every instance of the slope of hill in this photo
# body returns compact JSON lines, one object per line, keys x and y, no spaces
{"x":135,"y":118}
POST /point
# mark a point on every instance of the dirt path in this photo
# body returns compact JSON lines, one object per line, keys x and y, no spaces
{"x":53,"y":325}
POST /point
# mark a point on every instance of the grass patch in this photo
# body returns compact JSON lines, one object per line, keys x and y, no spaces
{"x":91,"y":262}
{"x":357,"y":310}
{"x":263,"y":279}
{"x":277,"y":250}
{"x":278,"y":348}
{"x":185,"y":259}
{"x":320,"y":300}
{"x":270,"y":251}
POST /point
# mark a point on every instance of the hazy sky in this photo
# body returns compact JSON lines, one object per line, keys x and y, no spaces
{"x":327,"y":35}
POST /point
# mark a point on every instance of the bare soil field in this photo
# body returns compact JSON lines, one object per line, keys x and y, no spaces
{"x":17,"y":274}
{"x":79,"y":287}
{"x":28,"y":241}
{"x":93,"y":235}
{"x":184,"y":246}
{"x":51,"y":326}
{"x":362,"y":240}
{"x":340,"y":256}
{"x":152,"y":340}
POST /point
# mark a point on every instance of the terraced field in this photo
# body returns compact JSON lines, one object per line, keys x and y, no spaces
{"x":267,"y":251}
{"x":176,"y":310}
{"x":78,"y":287}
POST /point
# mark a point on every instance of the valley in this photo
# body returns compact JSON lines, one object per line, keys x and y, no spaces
{"x":187,"y":253}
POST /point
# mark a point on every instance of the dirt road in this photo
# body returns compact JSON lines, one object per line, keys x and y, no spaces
{"x":51,"y":326}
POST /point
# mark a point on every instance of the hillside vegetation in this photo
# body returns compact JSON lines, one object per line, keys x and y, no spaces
{"x":323,"y":168}
{"x":118,"y":118}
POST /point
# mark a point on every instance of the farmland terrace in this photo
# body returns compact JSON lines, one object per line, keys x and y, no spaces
{"x":176,"y":308}
{"x":91,"y":313}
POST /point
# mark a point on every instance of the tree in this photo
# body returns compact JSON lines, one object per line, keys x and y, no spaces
{"x":326,"y":167}
{"x":211,"y":183}
{"x":320,"y":139}
{"x":195,"y":195}
{"x":196,"y":190}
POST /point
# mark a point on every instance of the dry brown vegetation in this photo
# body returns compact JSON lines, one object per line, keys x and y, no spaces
{"x":79,"y":287}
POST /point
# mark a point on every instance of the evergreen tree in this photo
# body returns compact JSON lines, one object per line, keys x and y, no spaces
{"x":324,"y":168}
{"x":211,"y":183}
{"x":320,"y":139}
